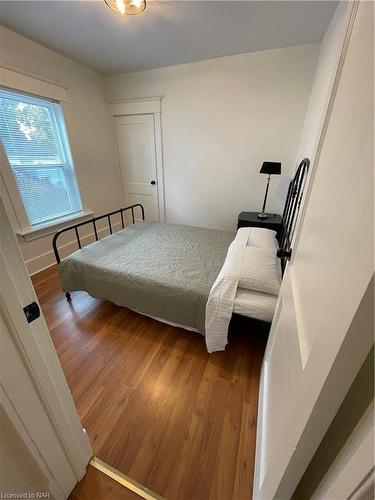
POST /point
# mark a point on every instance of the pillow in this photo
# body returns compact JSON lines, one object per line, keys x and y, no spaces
{"x":260,"y":271}
{"x":263,"y":238}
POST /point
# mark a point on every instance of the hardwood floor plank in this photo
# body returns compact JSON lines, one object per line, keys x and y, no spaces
{"x":245,"y":460}
{"x":97,"y":486}
{"x":155,"y":404}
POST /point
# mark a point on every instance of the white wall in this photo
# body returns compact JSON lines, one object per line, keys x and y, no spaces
{"x":221,"y":118}
{"x":329,"y":55}
{"x":90,"y":130}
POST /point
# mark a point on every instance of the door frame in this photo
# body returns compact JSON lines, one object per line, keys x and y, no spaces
{"x":38,"y":355}
{"x":145,"y":106}
{"x":352,"y":473}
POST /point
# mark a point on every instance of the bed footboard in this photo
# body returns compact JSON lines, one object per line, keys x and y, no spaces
{"x":93,"y":221}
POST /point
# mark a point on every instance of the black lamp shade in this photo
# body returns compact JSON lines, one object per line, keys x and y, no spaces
{"x":271,"y":168}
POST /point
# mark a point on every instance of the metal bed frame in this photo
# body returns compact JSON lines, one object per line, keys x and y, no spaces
{"x":93,"y":221}
{"x":291,"y":210}
{"x":289,"y":218}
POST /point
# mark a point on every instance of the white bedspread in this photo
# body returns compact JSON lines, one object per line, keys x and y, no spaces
{"x":220,"y":302}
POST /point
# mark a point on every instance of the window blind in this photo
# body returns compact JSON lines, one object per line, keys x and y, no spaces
{"x":33,"y":134}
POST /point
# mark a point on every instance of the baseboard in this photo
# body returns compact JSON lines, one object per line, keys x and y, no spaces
{"x":47,"y":259}
{"x":40,"y":263}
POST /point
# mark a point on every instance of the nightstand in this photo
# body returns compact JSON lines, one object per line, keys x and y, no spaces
{"x":250,"y":219}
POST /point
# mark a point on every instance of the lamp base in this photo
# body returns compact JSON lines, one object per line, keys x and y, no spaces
{"x":262,"y":216}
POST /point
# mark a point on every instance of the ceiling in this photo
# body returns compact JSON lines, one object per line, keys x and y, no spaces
{"x":168,"y":32}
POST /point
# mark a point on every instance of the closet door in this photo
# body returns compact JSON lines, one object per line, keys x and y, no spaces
{"x":318,"y":340}
{"x":136,"y":148}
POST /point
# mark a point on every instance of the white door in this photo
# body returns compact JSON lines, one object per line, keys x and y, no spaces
{"x":136,"y":148}
{"x":34,"y":393}
{"x":315,"y":350}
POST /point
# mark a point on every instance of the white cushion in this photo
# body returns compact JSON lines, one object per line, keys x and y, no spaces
{"x":260,"y":270}
{"x":263,"y":238}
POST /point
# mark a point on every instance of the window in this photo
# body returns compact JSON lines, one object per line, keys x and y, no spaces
{"x":33,"y":134}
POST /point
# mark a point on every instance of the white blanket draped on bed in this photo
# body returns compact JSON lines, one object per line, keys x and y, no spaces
{"x":220,"y":302}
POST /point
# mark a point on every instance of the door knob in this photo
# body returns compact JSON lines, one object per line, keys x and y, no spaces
{"x":153,"y":183}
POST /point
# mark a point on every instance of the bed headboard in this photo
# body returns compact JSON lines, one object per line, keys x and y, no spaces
{"x":291,"y":210}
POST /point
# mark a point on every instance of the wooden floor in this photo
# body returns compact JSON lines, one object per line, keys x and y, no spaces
{"x":155,"y":404}
{"x":96,"y":485}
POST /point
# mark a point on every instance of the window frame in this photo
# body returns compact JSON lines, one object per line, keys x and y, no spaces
{"x":65,"y":164}
{"x":21,"y":83}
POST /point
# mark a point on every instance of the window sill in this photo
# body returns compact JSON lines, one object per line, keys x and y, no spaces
{"x":46,"y":229}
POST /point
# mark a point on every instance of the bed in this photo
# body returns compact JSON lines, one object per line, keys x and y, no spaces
{"x":186,"y":276}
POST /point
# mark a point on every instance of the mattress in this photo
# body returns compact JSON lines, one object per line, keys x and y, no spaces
{"x":247,"y":303}
{"x":254,"y":304}
{"x":161,"y":270}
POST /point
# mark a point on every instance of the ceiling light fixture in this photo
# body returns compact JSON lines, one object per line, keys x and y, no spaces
{"x":128,"y":7}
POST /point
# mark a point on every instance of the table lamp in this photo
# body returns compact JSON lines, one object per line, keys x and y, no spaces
{"x":269,"y":168}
